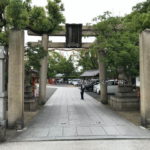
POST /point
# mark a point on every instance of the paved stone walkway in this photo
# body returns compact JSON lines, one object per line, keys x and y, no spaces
{"x":79,"y":145}
{"x":66,"y":116}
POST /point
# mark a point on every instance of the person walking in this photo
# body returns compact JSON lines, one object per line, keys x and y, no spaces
{"x":82,"y":90}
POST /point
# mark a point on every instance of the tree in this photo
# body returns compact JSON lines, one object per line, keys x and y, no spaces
{"x":17,"y":15}
{"x":46,"y":22}
{"x":117,"y":48}
{"x":118,"y":43}
{"x":88,"y":59}
{"x":3,"y":32}
{"x":3,"y":4}
{"x":105,"y":29}
{"x":4,"y":39}
{"x":139,"y":19}
{"x":33,"y":56}
{"x":59,"y":64}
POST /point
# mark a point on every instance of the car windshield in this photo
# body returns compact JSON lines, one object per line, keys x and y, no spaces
{"x":112,"y":83}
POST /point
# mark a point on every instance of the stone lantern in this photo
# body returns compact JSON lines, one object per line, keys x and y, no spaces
{"x":125,"y":99}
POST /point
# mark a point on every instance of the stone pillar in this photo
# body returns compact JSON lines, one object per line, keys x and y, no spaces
{"x":43,"y":72}
{"x":16,"y":80}
{"x":102,"y":78}
{"x":145,"y":77}
{"x":2,"y":97}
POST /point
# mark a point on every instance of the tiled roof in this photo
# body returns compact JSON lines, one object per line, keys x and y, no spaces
{"x":90,"y":73}
{"x":59,"y":75}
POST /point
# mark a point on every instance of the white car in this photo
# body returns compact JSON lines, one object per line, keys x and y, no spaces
{"x":95,"y":87}
{"x":70,"y":81}
{"x":76,"y":82}
{"x":112,"y":87}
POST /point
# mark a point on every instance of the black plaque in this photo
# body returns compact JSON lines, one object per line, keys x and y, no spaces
{"x":73,"y":35}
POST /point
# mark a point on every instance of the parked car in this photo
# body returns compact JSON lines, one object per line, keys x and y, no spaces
{"x":59,"y":81}
{"x":76,"y":82}
{"x":112,"y":87}
{"x":95,"y":87}
{"x":70,"y":81}
{"x":89,"y":87}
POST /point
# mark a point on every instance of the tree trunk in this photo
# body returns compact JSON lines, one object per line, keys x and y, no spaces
{"x":102,"y":77}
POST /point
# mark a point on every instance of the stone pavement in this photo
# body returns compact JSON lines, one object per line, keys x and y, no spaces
{"x":66,"y":117}
{"x":79,"y":145}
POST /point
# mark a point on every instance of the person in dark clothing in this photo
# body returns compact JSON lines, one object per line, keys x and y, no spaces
{"x":82,"y":90}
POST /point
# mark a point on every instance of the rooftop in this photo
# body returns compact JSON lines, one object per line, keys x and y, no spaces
{"x":90,"y":73}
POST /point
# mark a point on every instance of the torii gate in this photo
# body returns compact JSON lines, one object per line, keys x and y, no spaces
{"x":85,"y":31}
{"x":16,"y":71}
{"x":144,"y":69}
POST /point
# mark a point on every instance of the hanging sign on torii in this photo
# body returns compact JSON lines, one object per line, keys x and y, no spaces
{"x":73,"y":35}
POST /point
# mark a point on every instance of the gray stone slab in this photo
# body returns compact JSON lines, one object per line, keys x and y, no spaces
{"x":69,"y":131}
{"x":84,"y":131}
{"x":142,"y":132}
{"x":55,"y":131}
{"x":40,"y":132}
{"x":75,"y":122}
{"x":26,"y":134}
{"x":98,"y":131}
{"x":126,"y":130}
{"x":111,"y":130}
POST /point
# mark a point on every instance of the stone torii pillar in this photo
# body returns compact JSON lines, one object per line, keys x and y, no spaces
{"x":16,"y":80}
{"x":2,"y":96}
{"x":145,"y":77}
{"x":43,"y":71}
{"x":102,"y":78}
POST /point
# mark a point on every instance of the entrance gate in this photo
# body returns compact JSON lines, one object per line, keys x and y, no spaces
{"x":16,"y":67}
{"x":16,"y":108}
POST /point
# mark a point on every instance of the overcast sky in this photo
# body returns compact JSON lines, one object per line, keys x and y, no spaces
{"x":83,"y":11}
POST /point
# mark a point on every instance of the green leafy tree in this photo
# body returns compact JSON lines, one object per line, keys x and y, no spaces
{"x":88,"y":59}
{"x":118,"y":44}
{"x":3,"y":23}
{"x":139,"y":19}
{"x":59,"y":64}
{"x":4,"y":38}
{"x":117,"y":48}
{"x":17,"y":15}
{"x":33,"y":56}
{"x":3,"y":4}
{"x":46,"y":22}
